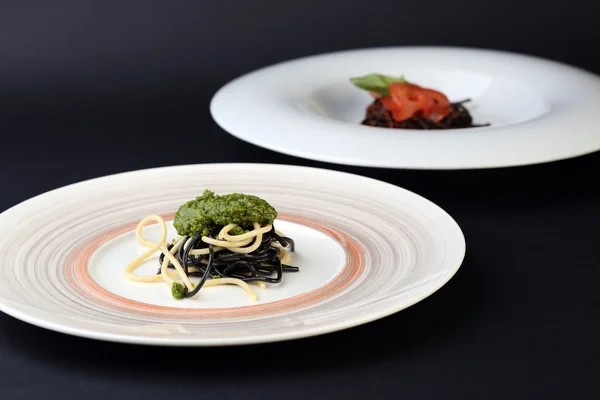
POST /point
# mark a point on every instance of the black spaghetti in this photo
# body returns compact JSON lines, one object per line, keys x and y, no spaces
{"x":459,"y":117}
{"x":261,"y":265}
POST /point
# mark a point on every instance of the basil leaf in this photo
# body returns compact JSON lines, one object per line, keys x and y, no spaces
{"x":377,"y":83}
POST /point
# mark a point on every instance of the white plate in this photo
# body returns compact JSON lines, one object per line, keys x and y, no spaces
{"x":540,"y":110}
{"x":365,"y":248}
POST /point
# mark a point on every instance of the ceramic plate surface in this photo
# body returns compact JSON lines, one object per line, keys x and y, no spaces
{"x":540,"y":110}
{"x":365,"y":249}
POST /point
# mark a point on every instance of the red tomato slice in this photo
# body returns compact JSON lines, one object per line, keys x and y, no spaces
{"x":407,"y":100}
{"x":441,"y":107}
{"x":439,"y":97}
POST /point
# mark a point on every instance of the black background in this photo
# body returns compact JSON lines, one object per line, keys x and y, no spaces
{"x":93,"y":88}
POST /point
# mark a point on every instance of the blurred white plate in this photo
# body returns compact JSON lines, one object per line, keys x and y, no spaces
{"x":540,"y":110}
{"x":365,"y":249}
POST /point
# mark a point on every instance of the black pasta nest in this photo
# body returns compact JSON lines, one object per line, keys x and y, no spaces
{"x":263,"y":264}
{"x":459,"y":117}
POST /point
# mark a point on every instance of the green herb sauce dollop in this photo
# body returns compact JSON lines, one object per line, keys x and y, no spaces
{"x":199,"y":215}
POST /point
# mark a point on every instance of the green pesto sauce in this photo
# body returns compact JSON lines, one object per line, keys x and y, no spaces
{"x":177,"y":290}
{"x":198,"y":215}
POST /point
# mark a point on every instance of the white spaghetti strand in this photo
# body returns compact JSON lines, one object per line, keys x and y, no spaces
{"x":233,"y":281}
{"x":237,"y":241}
{"x":178,"y":267}
{"x":256,"y":245}
{"x":285,"y":256}
{"x":260,"y":284}
{"x":153,"y":247}
{"x":224,"y":243}
{"x":226,"y":229}
{"x":285,"y":250}
{"x":163,"y":269}
{"x":279,"y":246}
{"x":224,"y":234}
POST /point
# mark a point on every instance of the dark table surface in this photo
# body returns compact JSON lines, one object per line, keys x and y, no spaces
{"x":91,"y":88}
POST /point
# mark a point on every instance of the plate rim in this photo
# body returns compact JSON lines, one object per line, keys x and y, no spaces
{"x":263,"y":338}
